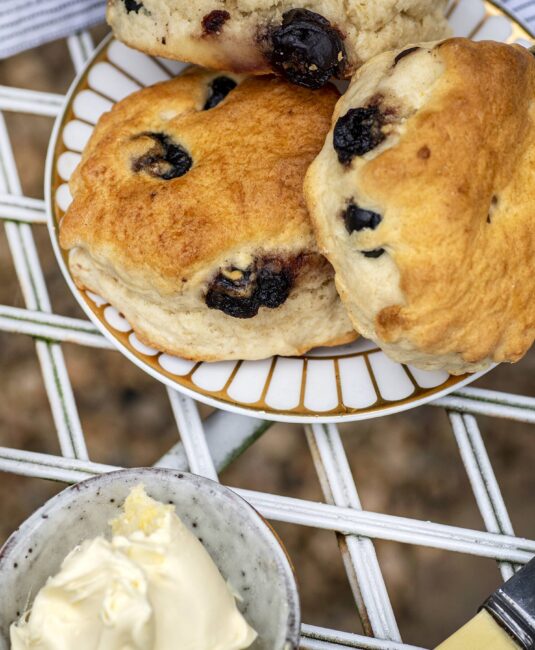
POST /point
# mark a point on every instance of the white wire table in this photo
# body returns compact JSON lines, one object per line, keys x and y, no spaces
{"x":207,"y":447}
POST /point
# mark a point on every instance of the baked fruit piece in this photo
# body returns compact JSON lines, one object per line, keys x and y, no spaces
{"x":328,"y":38}
{"x":189,"y":217}
{"x":423,"y":199}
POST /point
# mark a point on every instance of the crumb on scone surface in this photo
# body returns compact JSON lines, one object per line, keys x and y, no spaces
{"x":188,"y":215}
{"x":239,"y":34}
{"x":428,"y":216}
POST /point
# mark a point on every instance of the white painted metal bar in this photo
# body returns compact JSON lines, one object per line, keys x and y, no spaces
{"x":228,"y":435}
{"x":192,"y":434}
{"x":389,"y":527}
{"x":80,"y":48}
{"x":317,"y":515}
{"x":22,"y":208}
{"x":21,"y":100}
{"x":219,"y":427}
{"x":490,"y":403}
{"x":358,"y":553}
{"x":55,"y":468}
{"x":51,"y":327}
{"x":28,"y":268}
{"x":314,"y":644}
{"x":483,"y":480}
{"x":492,"y":396}
{"x":320,"y":637}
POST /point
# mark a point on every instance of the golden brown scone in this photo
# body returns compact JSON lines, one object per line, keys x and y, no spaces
{"x":308,"y":42}
{"x":189,"y":217}
{"x":423,"y":199}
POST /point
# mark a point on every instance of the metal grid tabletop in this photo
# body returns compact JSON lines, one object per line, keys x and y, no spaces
{"x":207,"y":447}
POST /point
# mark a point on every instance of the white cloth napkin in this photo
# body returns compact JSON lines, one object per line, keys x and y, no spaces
{"x":27,"y":23}
{"x":522,"y":9}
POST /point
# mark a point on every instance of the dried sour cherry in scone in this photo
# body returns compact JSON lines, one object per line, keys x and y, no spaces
{"x":431,"y":231}
{"x":219,"y":89}
{"x":132,"y":5}
{"x":165,"y":159}
{"x":213,"y":22}
{"x":307,"y":43}
{"x":240,"y":293}
{"x":275,"y":280}
{"x":357,"y":219}
{"x":357,"y":132}
{"x":306,"y":49}
{"x":188,"y":216}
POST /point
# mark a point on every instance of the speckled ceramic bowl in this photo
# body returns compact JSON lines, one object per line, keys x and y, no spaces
{"x":240,"y":542}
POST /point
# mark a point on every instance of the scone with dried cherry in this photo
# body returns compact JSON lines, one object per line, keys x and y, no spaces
{"x":189,"y":217}
{"x":423,"y":199}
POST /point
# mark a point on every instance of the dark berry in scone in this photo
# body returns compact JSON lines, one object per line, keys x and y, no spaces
{"x":132,"y":5}
{"x":306,"y":49}
{"x":164,"y":158}
{"x":213,"y":22}
{"x":219,"y":89}
{"x":266,"y":282}
{"x":357,"y":219}
{"x":358,"y":132}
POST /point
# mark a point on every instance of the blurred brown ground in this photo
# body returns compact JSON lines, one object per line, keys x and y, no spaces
{"x":406,"y":464}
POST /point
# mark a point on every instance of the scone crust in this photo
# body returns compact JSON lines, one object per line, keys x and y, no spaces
{"x":176,"y":29}
{"x":456,"y":193}
{"x":243,"y":190}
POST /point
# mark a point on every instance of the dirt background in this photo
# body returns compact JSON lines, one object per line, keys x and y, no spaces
{"x":405,"y":465}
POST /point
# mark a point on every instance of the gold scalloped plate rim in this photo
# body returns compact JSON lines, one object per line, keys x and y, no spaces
{"x":185,"y":384}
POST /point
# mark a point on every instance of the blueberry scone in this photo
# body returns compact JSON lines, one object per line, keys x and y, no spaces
{"x":189,"y":217}
{"x":423,"y":199}
{"x":308,"y":45}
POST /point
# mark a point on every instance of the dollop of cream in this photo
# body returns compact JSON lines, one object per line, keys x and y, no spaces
{"x":152,"y":587}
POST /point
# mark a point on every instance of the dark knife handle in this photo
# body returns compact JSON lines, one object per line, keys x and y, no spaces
{"x":513,"y":606}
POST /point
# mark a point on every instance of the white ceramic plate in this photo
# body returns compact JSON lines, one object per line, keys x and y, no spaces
{"x":352,"y":382}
